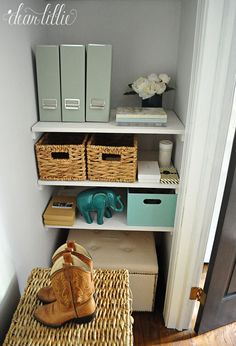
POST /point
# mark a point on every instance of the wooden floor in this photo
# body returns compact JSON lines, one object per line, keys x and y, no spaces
{"x":149,"y":330}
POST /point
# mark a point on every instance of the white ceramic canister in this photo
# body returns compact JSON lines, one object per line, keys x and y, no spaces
{"x":165,"y":151}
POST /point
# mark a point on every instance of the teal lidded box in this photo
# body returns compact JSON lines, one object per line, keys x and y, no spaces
{"x":149,"y":207}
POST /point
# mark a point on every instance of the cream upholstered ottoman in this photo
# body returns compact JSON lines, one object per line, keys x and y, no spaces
{"x":134,"y":251}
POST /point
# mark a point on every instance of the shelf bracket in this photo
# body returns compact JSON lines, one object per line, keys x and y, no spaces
{"x":40,"y":187}
{"x":181,"y":137}
{"x":33,"y":135}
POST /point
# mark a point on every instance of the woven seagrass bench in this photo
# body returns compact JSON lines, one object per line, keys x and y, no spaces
{"x":112,"y":325}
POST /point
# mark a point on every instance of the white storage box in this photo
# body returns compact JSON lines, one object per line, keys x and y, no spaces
{"x":148,"y":171}
{"x":134,"y":251}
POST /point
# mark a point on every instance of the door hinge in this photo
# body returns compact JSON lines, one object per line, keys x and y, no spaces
{"x":198,"y":294}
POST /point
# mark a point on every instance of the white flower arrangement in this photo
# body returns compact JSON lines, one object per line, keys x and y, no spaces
{"x":147,"y":87}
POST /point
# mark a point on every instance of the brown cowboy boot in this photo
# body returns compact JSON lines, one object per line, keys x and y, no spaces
{"x":46,"y":294}
{"x":73,"y":289}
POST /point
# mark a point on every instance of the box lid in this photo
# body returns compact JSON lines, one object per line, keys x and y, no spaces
{"x":60,"y":208}
{"x":134,"y":251}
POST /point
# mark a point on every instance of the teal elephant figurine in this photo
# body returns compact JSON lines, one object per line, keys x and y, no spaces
{"x":102,"y":201}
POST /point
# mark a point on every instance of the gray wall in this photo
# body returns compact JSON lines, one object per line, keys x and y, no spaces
{"x":144,"y":35}
{"x":25,"y":244}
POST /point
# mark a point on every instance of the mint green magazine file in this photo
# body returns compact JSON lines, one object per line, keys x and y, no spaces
{"x":48,"y":80}
{"x":99,"y":61}
{"x":72,"y":59}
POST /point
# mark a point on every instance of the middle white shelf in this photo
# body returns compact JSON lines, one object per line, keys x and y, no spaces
{"x":90,"y":183}
{"x":134,"y":200}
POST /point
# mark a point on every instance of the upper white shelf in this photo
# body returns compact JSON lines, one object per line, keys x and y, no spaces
{"x":174,"y":126}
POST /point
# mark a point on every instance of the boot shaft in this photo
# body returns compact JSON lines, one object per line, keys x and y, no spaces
{"x":71,"y":281}
{"x":76,"y":250}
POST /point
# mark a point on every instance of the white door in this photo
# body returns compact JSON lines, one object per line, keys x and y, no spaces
{"x":209,"y":111}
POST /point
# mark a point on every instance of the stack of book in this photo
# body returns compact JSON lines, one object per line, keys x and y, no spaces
{"x":60,"y":211}
{"x":138,"y":116}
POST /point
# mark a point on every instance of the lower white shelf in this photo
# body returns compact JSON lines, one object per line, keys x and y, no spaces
{"x":117,"y":222}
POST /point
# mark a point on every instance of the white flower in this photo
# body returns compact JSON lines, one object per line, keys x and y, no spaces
{"x":139,"y":84}
{"x":147,"y":92}
{"x":161,"y":87}
{"x":146,"y":87}
{"x":153,"y":77}
{"x":144,"y":95}
{"x":164,"y":78}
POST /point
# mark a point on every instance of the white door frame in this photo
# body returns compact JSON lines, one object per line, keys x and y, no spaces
{"x":209,"y":111}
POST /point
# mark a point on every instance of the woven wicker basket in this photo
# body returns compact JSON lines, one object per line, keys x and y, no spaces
{"x":112,"y":157}
{"x":61,"y":156}
{"x":111,"y":327}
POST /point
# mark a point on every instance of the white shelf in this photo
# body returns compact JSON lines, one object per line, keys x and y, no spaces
{"x":145,"y":155}
{"x":117,"y":222}
{"x":174,"y":126}
{"x":107,"y":184}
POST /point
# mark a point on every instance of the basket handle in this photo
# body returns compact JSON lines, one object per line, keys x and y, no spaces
{"x":60,"y":155}
{"x":152,"y":201}
{"x":111,"y":157}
